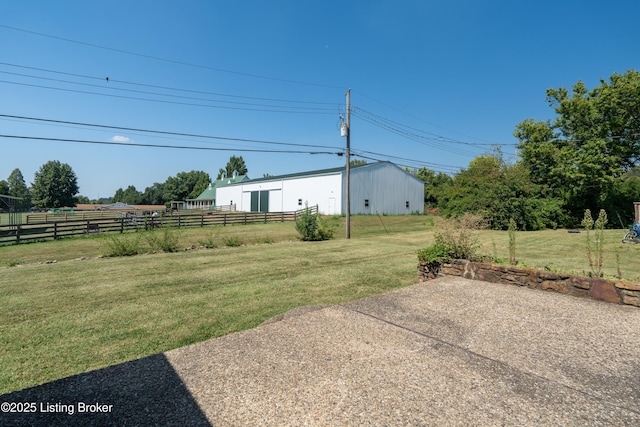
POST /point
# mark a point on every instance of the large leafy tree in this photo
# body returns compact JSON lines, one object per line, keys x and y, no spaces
{"x":130,"y":196}
{"x":185,"y":185}
{"x":153,"y":195}
{"x":55,"y":185}
{"x":595,"y":138}
{"x":235,"y":164}
{"x":18,"y":188}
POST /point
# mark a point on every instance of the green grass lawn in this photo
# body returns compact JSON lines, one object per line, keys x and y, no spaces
{"x":75,"y":315}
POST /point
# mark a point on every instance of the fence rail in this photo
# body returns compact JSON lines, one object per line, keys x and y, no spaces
{"x":23,"y":233}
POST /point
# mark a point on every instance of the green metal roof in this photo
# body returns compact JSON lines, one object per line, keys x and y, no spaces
{"x":210,"y":193}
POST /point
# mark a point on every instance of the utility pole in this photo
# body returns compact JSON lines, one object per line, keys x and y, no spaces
{"x":348,"y":166}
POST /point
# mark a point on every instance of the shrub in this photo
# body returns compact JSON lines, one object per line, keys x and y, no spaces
{"x":165,"y":240}
{"x":122,"y":245}
{"x":232,"y":241}
{"x":455,"y":239}
{"x":434,"y":256}
{"x":312,"y":228}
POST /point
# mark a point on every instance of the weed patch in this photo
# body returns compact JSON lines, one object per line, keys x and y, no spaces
{"x":232,"y":241}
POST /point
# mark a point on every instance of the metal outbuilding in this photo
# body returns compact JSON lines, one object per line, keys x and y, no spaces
{"x":376,"y":188}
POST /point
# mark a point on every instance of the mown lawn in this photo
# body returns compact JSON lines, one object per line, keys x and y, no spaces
{"x":84,"y":312}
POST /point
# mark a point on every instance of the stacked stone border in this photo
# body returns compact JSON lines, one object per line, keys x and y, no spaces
{"x":612,"y":291}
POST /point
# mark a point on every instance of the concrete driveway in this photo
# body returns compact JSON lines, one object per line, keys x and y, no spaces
{"x":447,"y":352}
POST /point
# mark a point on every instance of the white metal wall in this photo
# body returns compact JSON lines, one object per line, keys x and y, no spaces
{"x":387,"y":188}
{"x":285,"y":194}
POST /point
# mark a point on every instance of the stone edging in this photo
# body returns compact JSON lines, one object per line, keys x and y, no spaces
{"x":605,"y":290}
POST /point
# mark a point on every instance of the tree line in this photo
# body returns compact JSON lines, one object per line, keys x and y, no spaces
{"x":586,"y":158}
{"x":55,"y":185}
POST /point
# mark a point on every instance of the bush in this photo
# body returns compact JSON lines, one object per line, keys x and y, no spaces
{"x":165,"y":240}
{"x":122,"y":245}
{"x":434,"y":255}
{"x":232,"y":241}
{"x":455,"y":239}
{"x":312,"y":228}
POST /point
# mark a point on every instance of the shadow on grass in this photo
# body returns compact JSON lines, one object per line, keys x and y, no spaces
{"x":142,"y":392}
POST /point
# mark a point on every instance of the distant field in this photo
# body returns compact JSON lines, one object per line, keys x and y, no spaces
{"x":83,"y":312}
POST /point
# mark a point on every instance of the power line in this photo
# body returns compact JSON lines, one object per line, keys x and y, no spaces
{"x":431,"y":135}
{"x":309,"y":109}
{"x":414,"y":137}
{"x":172,"y":61}
{"x":112,"y":80}
{"x":181,"y":147}
{"x":415,"y":117}
{"x":165,"y":101}
{"x":190,"y":135}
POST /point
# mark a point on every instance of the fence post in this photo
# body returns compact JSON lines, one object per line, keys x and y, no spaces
{"x":245,"y":218}
{"x":224,"y":220}
{"x":55,"y":230}
{"x":18,"y":233}
{"x":265,"y":217}
{"x":201,"y":220}
{"x":121,"y":225}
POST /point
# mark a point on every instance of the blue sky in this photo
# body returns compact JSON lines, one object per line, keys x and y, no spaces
{"x":432,"y":83}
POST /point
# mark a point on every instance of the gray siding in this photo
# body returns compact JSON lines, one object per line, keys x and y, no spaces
{"x":387,"y":188}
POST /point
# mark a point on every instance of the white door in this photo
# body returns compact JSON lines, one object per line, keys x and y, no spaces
{"x":332,"y":205}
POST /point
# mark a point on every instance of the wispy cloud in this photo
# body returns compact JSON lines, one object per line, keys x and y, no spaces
{"x":120,"y":138}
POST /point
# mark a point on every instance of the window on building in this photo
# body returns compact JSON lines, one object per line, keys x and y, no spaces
{"x":366,"y":203}
{"x":406,"y":204}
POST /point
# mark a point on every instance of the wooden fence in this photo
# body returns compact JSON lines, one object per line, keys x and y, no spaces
{"x":23,"y":233}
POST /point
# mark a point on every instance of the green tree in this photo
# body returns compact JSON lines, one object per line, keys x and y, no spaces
{"x":55,"y":185}
{"x":4,"y":187}
{"x":185,"y":185}
{"x":235,"y":164}
{"x":18,"y":188}
{"x":153,"y":195}
{"x":130,"y":196}
{"x":83,"y":199}
{"x":500,"y":192}
{"x":592,"y":142}
{"x":435,"y":185}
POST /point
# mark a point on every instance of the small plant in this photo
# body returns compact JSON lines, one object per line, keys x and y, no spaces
{"x":266,"y":239}
{"x":512,"y":242}
{"x":455,"y":239}
{"x":232,"y":241}
{"x":312,"y":228}
{"x":165,"y":240}
{"x":209,"y":241}
{"x":434,"y":256}
{"x":595,"y":247}
{"x":13,"y":263}
{"x":123,"y":245}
